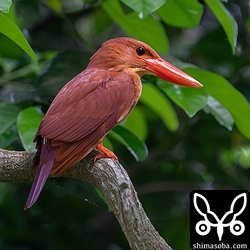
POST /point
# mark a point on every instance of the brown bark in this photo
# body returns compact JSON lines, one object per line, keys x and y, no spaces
{"x":111,"y":179}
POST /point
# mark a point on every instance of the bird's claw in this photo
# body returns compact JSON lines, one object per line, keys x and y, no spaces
{"x":106,"y":153}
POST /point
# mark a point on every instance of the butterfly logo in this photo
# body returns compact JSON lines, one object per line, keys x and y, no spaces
{"x":210,"y":219}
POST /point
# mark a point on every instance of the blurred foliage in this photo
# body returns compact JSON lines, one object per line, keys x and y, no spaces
{"x":196,"y":139}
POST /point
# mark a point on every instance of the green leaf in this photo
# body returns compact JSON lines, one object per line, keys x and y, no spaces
{"x":55,"y":5}
{"x":12,"y":31}
{"x":153,"y":98}
{"x":146,"y":30}
{"x":23,"y":72}
{"x":5,"y":5}
{"x":144,"y":7}
{"x":226,"y":20}
{"x":181,"y":13}
{"x":72,"y":6}
{"x":103,"y":200}
{"x":9,"y":136}
{"x":8,"y":116}
{"x":220,"y":113}
{"x":234,"y":101}
{"x":136,"y":123}
{"x":135,"y":145}
{"x":243,"y":156}
{"x":107,"y":143}
{"x":27,"y":123}
{"x":189,"y":99}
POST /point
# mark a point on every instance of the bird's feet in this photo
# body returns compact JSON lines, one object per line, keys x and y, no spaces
{"x":106,"y":153}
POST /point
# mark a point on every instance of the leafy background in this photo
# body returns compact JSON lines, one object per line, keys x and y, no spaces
{"x":176,"y":139}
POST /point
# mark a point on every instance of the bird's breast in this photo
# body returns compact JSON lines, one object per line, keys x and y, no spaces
{"x":131,"y":92}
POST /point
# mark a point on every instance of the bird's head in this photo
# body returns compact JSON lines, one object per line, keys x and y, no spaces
{"x":132,"y":55}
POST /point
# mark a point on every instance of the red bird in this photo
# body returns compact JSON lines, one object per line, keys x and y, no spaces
{"x":92,"y":103}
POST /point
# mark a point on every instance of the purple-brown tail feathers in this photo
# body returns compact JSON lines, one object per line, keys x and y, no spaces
{"x":47,"y":157}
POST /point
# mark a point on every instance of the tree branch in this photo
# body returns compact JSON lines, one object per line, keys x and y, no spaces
{"x":111,"y":179}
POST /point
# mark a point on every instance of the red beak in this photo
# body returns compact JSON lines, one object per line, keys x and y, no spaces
{"x":169,"y":72}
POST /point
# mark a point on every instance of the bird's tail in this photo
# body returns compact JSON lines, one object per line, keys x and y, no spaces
{"x":47,"y":157}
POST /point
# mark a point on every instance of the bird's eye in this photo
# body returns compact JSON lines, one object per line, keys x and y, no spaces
{"x":140,"y":51}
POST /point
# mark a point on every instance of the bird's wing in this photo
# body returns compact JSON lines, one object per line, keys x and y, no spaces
{"x":88,"y":101}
